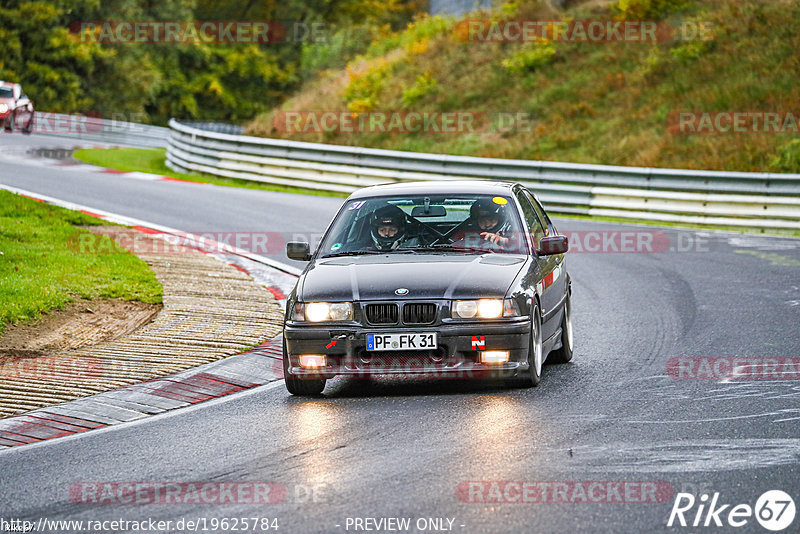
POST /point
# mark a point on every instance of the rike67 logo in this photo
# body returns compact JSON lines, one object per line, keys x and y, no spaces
{"x":774,"y":510}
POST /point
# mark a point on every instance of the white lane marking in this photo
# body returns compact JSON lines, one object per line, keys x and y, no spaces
{"x":136,"y":175}
{"x":709,"y":420}
{"x":688,"y":455}
{"x":130,"y":221}
{"x":156,"y":417}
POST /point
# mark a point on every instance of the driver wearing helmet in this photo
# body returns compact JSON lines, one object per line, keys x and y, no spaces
{"x":489,"y":219}
{"x":387,"y":227}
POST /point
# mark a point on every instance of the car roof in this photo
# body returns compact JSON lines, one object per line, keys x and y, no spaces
{"x":437,"y":187}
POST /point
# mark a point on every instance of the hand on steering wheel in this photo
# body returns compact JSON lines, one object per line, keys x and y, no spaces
{"x":494,"y":239}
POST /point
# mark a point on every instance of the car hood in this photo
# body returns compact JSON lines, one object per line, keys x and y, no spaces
{"x":432,"y":276}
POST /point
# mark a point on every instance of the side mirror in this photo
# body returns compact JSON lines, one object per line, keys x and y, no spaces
{"x":298,"y":251}
{"x":557,"y":244}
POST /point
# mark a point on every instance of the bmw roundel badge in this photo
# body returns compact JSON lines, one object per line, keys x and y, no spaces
{"x":401,"y":291}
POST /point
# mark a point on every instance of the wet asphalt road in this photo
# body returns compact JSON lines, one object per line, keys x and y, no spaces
{"x":410,"y":448}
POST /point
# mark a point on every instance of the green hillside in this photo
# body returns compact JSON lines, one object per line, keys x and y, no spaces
{"x":588,"y":102}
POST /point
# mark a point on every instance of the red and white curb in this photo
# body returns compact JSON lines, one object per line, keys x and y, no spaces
{"x":257,"y":367}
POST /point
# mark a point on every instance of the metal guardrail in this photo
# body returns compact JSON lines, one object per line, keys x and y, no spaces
{"x":109,"y":131}
{"x":757,"y":200}
{"x":218,"y":127}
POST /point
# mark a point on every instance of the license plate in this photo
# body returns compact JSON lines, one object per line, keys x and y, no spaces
{"x":416,"y":341}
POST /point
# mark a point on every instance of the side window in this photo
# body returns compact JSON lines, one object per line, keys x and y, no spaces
{"x":534,"y":224}
{"x":540,"y":213}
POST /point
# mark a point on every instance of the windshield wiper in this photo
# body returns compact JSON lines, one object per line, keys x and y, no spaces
{"x":444,"y":247}
{"x":351,"y":253}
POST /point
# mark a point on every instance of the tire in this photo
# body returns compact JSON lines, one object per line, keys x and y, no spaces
{"x":299,"y":386}
{"x":28,"y":127}
{"x":533,"y":375}
{"x":564,"y":354}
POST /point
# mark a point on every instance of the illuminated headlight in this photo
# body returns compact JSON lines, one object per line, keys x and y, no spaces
{"x":317,"y":312}
{"x":484,"y":309}
{"x":312,"y":361}
{"x":494,"y":356}
{"x":3,"y":108}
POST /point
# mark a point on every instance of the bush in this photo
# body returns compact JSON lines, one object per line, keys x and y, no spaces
{"x":690,"y":51}
{"x":335,"y":52}
{"x":788,"y":157}
{"x":540,"y":54}
{"x":423,"y":85}
{"x":648,"y":9}
{"x":364,"y":89}
{"x":423,"y":28}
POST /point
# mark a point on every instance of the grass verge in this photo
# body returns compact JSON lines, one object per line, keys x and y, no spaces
{"x":151,"y":160}
{"x":41,"y":268}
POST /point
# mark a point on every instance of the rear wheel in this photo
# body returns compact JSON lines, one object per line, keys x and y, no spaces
{"x":533,"y":375}
{"x":300,"y":386}
{"x":28,"y":128}
{"x":564,"y":354}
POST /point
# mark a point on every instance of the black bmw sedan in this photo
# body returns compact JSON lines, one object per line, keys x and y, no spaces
{"x":441,"y":279}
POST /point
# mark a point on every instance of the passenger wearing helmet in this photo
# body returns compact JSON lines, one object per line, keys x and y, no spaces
{"x":489,"y":220}
{"x":387,"y":227}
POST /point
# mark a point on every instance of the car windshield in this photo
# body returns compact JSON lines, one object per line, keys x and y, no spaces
{"x":6,"y":92}
{"x":465,"y":224}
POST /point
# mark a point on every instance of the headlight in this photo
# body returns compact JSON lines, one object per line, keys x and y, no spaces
{"x":317,"y":312}
{"x":3,"y":108}
{"x":484,"y":309}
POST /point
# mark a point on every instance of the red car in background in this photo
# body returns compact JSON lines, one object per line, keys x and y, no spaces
{"x":16,"y":109}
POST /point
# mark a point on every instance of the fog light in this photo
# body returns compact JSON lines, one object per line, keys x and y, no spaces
{"x":311,"y":361}
{"x":494,"y":356}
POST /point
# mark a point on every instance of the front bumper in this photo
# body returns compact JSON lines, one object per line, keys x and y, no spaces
{"x":455,"y":357}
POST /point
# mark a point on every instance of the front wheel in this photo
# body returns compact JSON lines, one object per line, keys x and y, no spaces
{"x":299,"y":386}
{"x":564,"y":354}
{"x":533,"y":375}
{"x":28,"y":128}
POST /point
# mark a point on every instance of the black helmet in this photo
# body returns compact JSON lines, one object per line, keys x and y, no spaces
{"x":483,"y":208}
{"x":387,"y":216}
